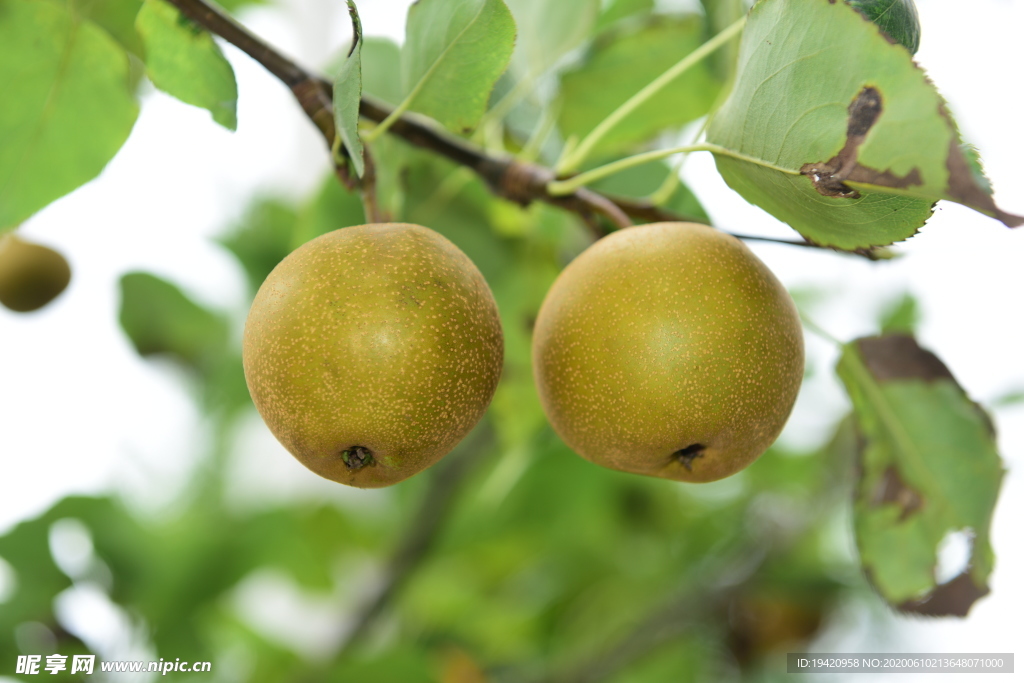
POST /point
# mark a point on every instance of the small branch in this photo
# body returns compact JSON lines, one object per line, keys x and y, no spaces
{"x":368,"y":190}
{"x":422,"y":532}
{"x":647,"y":211}
{"x":560,"y":187}
{"x":519,"y":181}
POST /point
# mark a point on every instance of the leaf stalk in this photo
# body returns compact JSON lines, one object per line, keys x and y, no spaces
{"x":573,"y":159}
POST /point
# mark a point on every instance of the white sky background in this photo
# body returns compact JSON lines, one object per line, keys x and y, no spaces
{"x":80,"y":412}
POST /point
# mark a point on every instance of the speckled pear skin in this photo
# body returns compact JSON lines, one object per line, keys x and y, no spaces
{"x":378,"y":340}
{"x":668,"y":350}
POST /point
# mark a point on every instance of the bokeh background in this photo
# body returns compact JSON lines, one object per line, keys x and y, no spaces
{"x":83,"y":413}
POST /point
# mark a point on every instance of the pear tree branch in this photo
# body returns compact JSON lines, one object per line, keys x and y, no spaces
{"x":519,"y":181}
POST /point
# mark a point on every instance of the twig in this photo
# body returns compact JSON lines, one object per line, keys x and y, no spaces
{"x":519,"y":181}
{"x":422,"y":532}
{"x":368,"y":190}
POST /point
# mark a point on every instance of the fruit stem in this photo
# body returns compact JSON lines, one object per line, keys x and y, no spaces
{"x":572,"y":161}
{"x":570,"y":185}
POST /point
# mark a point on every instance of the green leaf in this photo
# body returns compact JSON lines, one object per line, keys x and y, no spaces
{"x":719,"y":15}
{"x":1010,"y":398}
{"x":622,"y":9}
{"x":454,"y":52}
{"x":402,"y":663}
{"x":896,"y":18}
{"x":37,"y":577}
{"x":116,"y":17}
{"x":160,"y":319}
{"x":235,"y":5}
{"x":836,"y":131}
{"x":620,"y":66}
{"x":382,"y":73}
{"x":929,"y":466}
{"x":68,"y":105}
{"x":262,"y":238}
{"x":348,"y":90}
{"x":183,"y":60}
{"x":381,"y":68}
{"x":459,"y":211}
{"x":901,"y":316}
{"x":639,"y":182}
{"x":548,"y":30}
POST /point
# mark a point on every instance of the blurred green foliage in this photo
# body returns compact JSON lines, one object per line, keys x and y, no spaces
{"x":514,"y":559}
{"x":544,"y":561}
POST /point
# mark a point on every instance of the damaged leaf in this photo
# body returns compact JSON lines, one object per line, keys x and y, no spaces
{"x":835,"y":130}
{"x":928,"y":466}
{"x":348,"y":89}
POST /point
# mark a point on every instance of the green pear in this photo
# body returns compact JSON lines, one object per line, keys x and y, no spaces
{"x":31,"y":275}
{"x":371,"y":351}
{"x":668,"y":350}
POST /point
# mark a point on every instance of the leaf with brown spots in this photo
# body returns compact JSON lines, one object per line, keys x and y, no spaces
{"x":834,"y":129}
{"x":928,"y":466}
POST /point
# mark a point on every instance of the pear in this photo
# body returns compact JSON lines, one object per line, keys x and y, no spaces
{"x":668,"y":350}
{"x":31,"y":275}
{"x":371,"y":351}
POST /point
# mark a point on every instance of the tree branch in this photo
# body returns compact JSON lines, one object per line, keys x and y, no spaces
{"x":519,"y":181}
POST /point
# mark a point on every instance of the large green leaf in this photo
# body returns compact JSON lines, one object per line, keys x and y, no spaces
{"x":618,"y":67}
{"x":348,"y":89}
{"x":67,"y":104}
{"x":454,"y":52}
{"x":836,"y":131}
{"x":183,"y":60}
{"x":928,"y":467}
{"x":160,"y":319}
